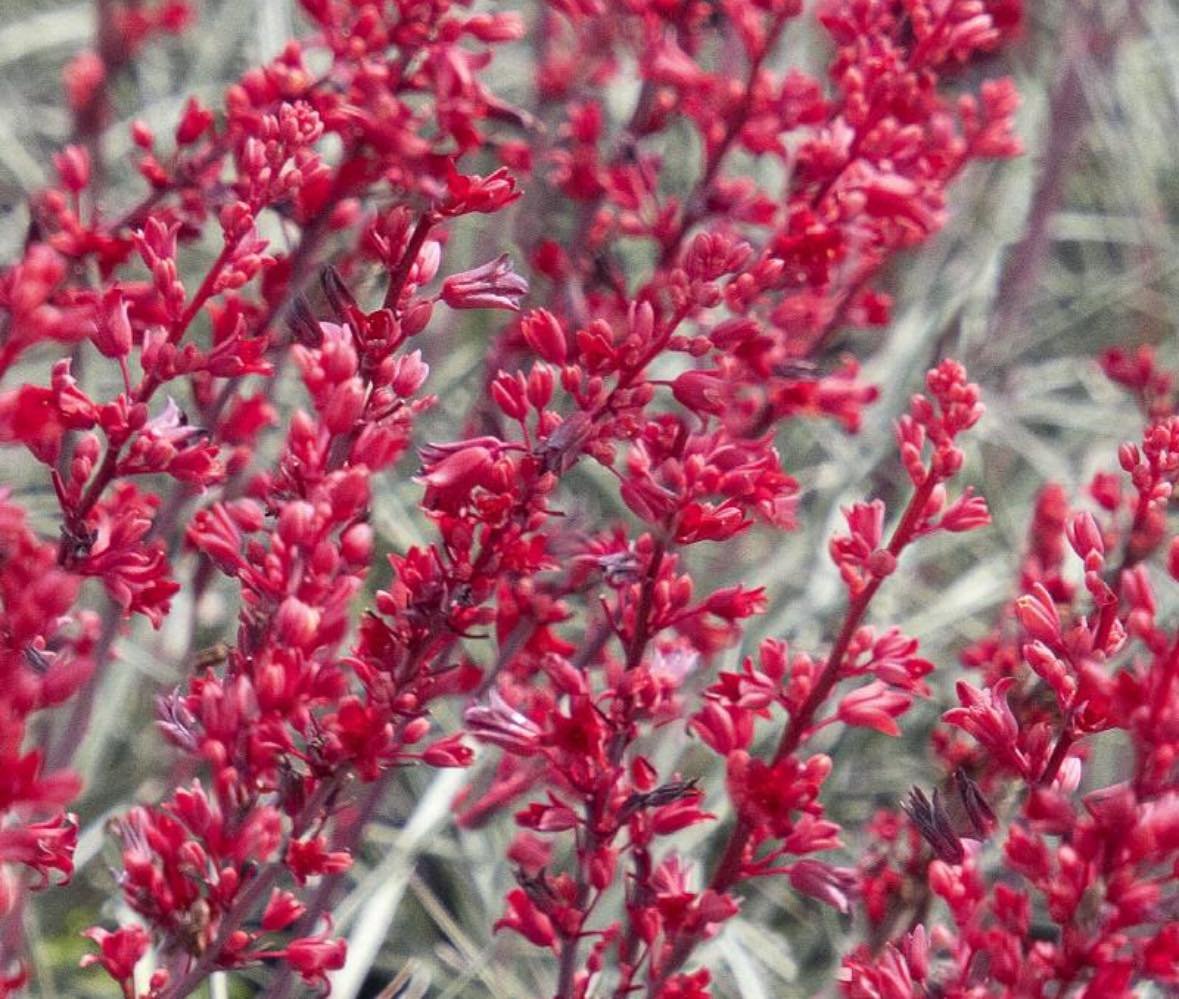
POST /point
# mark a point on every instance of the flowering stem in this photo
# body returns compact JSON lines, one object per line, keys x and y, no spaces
{"x":76,"y":517}
{"x":253,"y":893}
{"x":569,"y":949}
{"x":300,"y":263}
{"x":694,"y":209}
{"x":1059,"y":753}
{"x":203,"y":294}
{"x":401,"y":273}
{"x":801,"y":720}
{"x":638,"y":643}
{"x":330,"y":883}
{"x":728,"y":869}
{"x":598,"y":803}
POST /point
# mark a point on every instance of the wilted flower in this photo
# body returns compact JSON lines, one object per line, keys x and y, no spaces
{"x":493,"y":285}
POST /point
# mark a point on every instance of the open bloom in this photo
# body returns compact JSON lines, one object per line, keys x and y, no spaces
{"x":118,"y":952}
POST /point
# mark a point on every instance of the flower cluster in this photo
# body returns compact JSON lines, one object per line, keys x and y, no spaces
{"x":286,"y":716}
{"x":1065,"y":664}
{"x":213,"y":411}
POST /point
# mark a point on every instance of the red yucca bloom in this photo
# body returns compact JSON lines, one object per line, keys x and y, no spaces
{"x":661,"y":329}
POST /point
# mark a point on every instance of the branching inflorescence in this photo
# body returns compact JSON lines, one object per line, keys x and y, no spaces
{"x":671,"y":328}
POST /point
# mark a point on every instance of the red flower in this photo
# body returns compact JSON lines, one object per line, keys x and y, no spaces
{"x":119,"y":951}
{"x":313,"y":957}
{"x":309,"y":858}
{"x":874,"y":706}
{"x":42,"y":846}
{"x":478,"y":194}
{"x":987,"y":716}
{"x":527,"y":920}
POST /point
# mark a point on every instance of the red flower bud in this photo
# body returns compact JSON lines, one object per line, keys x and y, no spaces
{"x":543,"y":333}
{"x":195,"y":120}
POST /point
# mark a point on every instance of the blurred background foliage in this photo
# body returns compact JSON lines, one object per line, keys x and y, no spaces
{"x":1045,"y":261}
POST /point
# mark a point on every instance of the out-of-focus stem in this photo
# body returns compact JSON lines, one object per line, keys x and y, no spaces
{"x":1088,"y":44}
{"x":69,"y":738}
{"x":694,"y":205}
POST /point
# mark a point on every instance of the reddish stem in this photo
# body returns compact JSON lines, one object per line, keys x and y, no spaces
{"x":598,"y":805}
{"x":248,"y":898}
{"x":76,"y":517}
{"x":1059,"y":753}
{"x":728,"y":870}
{"x":694,"y":210}
{"x":401,"y":273}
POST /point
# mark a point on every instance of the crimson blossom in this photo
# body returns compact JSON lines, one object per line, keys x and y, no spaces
{"x":217,"y":384}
